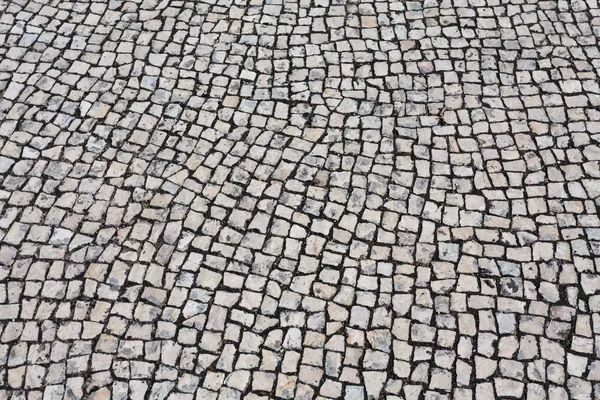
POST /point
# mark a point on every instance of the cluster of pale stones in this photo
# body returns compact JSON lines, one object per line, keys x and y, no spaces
{"x":294,"y":199}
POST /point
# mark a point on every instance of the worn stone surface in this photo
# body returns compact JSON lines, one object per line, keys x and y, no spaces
{"x":293,"y":199}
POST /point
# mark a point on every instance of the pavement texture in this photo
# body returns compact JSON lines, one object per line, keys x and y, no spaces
{"x":280,"y":199}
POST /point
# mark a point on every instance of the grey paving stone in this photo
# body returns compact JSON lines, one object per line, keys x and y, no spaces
{"x":329,"y":199}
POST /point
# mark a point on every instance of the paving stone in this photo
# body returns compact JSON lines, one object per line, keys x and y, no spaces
{"x":350,"y":199}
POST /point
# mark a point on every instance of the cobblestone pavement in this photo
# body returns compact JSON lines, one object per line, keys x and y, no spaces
{"x":281,"y":199}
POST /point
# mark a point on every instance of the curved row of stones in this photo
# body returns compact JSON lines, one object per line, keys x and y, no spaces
{"x":269,"y":199}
